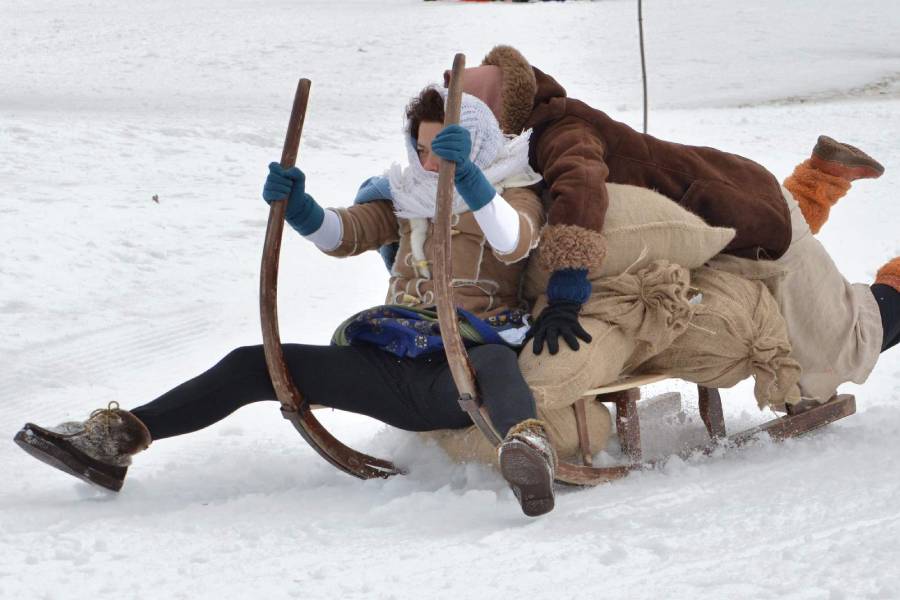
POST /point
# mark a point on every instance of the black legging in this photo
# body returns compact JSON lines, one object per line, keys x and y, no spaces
{"x":413,"y":394}
{"x":889,"y":304}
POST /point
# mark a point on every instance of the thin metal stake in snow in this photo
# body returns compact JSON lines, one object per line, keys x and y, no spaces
{"x":643,"y":60}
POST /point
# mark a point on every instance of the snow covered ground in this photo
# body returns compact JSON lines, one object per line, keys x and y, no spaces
{"x":107,"y":295}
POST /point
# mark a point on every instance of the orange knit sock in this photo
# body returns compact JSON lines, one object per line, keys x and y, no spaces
{"x":889,"y":274}
{"x":816,"y":192}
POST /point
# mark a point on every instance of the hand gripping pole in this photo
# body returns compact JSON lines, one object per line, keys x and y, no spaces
{"x":293,"y":406}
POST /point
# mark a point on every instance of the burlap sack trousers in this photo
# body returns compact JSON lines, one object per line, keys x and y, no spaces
{"x":834,"y":326}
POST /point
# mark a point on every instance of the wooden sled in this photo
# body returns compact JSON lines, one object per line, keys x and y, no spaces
{"x":624,"y":394}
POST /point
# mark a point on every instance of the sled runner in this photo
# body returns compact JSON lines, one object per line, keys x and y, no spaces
{"x":624,"y":394}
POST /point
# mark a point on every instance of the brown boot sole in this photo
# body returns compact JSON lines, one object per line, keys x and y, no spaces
{"x":845,"y":170}
{"x":843,"y":160}
{"x":56,"y":451}
{"x":529,"y":476}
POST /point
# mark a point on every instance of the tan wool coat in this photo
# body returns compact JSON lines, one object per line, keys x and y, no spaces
{"x":484,"y":281}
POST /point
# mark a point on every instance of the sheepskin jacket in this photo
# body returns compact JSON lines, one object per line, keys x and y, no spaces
{"x":483,"y":282}
{"x":578,"y":149}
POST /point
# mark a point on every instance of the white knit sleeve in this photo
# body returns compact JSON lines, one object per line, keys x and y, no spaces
{"x":328,"y":236}
{"x":500,"y":223}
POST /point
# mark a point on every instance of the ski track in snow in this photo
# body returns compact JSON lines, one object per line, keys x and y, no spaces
{"x":106,"y":295}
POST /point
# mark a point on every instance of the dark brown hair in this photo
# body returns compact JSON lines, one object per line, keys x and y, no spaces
{"x":427,"y":106}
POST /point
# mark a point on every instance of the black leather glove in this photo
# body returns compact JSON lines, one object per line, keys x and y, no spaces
{"x":559,"y":318}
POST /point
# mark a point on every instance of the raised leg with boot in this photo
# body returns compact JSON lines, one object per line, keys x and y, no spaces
{"x":823,"y":179}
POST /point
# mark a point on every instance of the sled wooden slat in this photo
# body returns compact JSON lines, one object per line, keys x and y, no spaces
{"x":572,"y":474}
{"x":627,"y":383}
{"x":292,"y":406}
{"x":584,"y":432}
{"x":710,"y":402}
{"x":627,"y":421}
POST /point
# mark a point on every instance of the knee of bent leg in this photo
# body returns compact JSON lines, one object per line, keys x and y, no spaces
{"x":494,"y":358}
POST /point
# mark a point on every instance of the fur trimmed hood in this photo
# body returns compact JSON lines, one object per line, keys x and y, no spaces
{"x":518,"y":87}
{"x":519,"y":94}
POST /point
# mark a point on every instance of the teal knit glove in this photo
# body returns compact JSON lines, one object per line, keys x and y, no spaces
{"x":303,"y":213}
{"x":454,"y":143}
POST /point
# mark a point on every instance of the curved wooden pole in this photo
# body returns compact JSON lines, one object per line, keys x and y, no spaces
{"x":457,"y":358}
{"x":292,"y":405}
{"x":460,"y":367}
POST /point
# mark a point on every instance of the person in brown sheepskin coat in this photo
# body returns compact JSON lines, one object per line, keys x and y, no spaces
{"x":837,"y":329}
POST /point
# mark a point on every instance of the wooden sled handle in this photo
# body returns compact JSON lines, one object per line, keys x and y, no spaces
{"x":292,"y":405}
{"x":457,"y":358}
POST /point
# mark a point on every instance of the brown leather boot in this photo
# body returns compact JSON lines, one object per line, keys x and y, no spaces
{"x":97,"y":450}
{"x":843,"y":160}
{"x":528,"y":463}
{"x":820,"y":181}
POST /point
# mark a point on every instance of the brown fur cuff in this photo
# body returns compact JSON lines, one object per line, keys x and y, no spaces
{"x":889,"y":274}
{"x":134,"y":435}
{"x":519,"y":87}
{"x":571,"y":247}
{"x":527,"y":425}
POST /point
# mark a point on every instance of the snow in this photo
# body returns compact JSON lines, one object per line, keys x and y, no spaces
{"x":106,"y":295}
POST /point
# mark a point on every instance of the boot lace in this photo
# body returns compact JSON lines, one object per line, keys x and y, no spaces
{"x":106,"y":413}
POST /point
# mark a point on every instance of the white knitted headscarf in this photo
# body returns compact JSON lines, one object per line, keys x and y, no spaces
{"x":502,"y":158}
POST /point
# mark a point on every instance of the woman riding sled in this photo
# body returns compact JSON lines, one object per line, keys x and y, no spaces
{"x":387,"y":362}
